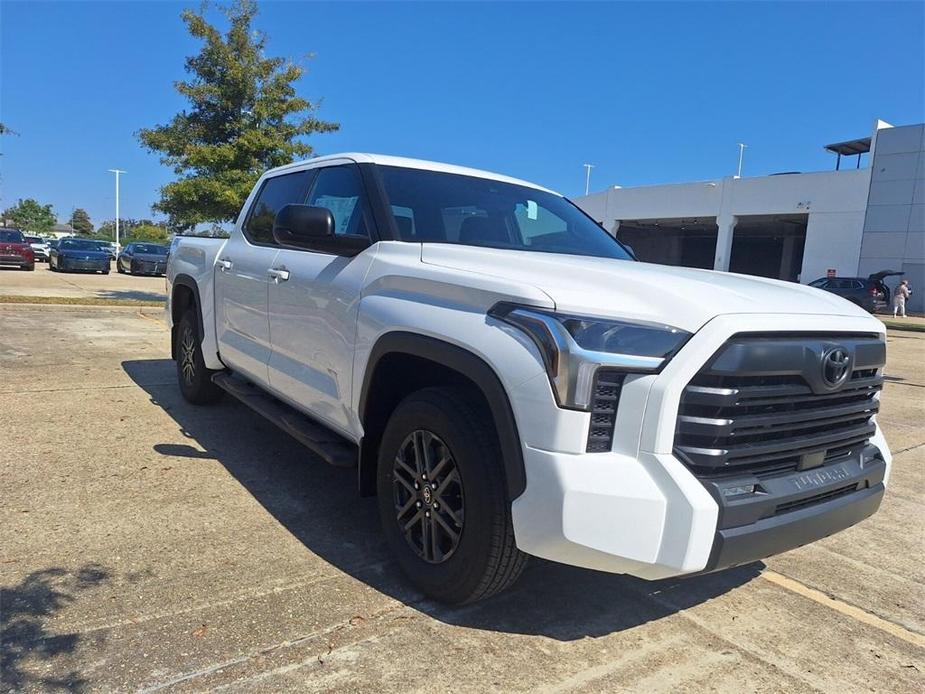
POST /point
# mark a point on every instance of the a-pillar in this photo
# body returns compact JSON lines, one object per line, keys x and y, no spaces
{"x":725,"y":229}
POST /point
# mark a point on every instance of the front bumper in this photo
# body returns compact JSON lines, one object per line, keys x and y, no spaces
{"x":637,"y":509}
{"x":148,"y":268}
{"x":83,"y":265}
{"x":795,"y":509}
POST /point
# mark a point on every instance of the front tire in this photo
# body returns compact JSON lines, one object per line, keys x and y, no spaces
{"x":194,"y":378}
{"x":442,"y":499}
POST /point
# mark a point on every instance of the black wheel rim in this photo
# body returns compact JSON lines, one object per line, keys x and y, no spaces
{"x":187,"y":356}
{"x":428,"y":495}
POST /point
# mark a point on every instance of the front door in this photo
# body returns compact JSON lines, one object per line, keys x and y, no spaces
{"x":314,"y":301}
{"x":242,"y":278}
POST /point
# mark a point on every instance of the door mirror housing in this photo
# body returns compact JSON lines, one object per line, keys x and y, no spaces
{"x":305,"y":227}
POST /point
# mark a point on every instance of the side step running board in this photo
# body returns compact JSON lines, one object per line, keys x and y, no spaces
{"x":327,"y":445}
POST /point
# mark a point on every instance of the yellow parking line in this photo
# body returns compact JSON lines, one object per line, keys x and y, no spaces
{"x":844,"y":608}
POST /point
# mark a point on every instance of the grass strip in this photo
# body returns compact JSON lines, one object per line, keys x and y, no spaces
{"x":75,"y":300}
{"x":899,"y":324}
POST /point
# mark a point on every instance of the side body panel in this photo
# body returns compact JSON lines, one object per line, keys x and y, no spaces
{"x":241,"y":296}
{"x":313,"y":319}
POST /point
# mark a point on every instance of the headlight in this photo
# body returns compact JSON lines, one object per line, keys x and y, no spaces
{"x":575,"y":347}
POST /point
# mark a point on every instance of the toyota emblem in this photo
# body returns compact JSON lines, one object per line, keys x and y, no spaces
{"x":836,"y":365}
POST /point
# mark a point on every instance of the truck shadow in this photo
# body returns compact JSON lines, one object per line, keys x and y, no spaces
{"x":320,"y":506}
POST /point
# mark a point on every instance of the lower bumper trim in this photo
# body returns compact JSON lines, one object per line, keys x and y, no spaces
{"x":769,"y":536}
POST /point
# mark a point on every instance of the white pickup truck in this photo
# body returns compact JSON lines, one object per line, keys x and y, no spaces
{"x":510,"y":381}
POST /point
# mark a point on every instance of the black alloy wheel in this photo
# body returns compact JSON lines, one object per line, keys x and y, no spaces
{"x":194,"y":378}
{"x":442,"y":496}
{"x":428,"y":496}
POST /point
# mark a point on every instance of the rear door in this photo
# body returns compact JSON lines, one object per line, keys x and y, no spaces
{"x":314,"y":303}
{"x":242,"y":278}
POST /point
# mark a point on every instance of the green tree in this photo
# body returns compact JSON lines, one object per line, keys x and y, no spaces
{"x":148,"y":232}
{"x":28,"y":215}
{"x":80,"y":220}
{"x":245,"y":117}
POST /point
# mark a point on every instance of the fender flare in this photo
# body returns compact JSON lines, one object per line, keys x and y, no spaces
{"x":476,"y":370}
{"x":184,"y":280}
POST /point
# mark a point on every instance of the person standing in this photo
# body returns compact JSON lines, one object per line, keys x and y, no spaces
{"x":899,"y":298}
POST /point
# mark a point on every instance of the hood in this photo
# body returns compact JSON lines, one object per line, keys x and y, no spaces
{"x":683,"y":297}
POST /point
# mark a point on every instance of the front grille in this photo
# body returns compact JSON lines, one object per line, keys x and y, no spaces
{"x":758,"y":407}
{"x":82,"y":264}
{"x":605,"y":398}
{"x":149,"y":266}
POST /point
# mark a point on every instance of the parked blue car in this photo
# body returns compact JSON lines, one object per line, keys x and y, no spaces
{"x":73,"y":255}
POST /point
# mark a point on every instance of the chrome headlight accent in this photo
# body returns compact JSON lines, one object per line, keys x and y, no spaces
{"x":575,"y":347}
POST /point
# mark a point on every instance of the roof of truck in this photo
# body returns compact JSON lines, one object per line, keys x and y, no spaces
{"x":388,"y":160}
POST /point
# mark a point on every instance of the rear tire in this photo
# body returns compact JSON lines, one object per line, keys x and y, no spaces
{"x":194,"y":378}
{"x":459,"y":544}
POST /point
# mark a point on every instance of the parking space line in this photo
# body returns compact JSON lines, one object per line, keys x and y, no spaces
{"x":844,"y":608}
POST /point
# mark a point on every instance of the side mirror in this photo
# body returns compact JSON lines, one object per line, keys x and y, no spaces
{"x":312,"y":228}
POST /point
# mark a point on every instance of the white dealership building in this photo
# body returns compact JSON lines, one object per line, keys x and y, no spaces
{"x":866,"y":215}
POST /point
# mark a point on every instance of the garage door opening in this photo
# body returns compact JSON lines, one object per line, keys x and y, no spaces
{"x":769,"y":246}
{"x":689,"y":242}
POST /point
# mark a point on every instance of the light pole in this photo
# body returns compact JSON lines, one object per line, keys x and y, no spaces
{"x":741,"y":155}
{"x":117,"y":172}
{"x":588,"y":168}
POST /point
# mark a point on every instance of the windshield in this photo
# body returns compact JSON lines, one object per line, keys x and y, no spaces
{"x":433,"y":207}
{"x":82,"y":245}
{"x":150,"y":248}
{"x":11,"y":236}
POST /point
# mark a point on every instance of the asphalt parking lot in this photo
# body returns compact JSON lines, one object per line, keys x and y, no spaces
{"x":151,"y":545}
{"x":42,"y":282}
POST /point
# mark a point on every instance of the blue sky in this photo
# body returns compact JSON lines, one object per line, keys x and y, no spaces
{"x":649,"y":93}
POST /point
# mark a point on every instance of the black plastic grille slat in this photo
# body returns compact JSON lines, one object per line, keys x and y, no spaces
{"x":739,"y":426}
{"x":764,"y":423}
{"x":815,"y":499}
{"x":605,"y":397}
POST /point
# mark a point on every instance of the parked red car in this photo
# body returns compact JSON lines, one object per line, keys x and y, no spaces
{"x":15,"y":250}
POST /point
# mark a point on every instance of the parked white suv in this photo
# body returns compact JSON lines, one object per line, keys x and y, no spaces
{"x":510,"y":381}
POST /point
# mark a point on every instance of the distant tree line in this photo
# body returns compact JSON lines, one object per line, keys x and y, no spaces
{"x":134,"y":230}
{"x":32,"y":217}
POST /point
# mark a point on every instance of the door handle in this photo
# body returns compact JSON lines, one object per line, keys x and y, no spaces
{"x":225,"y":264}
{"x":278,"y":274}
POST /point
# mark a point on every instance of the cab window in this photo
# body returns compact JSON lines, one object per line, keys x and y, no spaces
{"x":275,"y":193}
{"x":340,"y":190}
